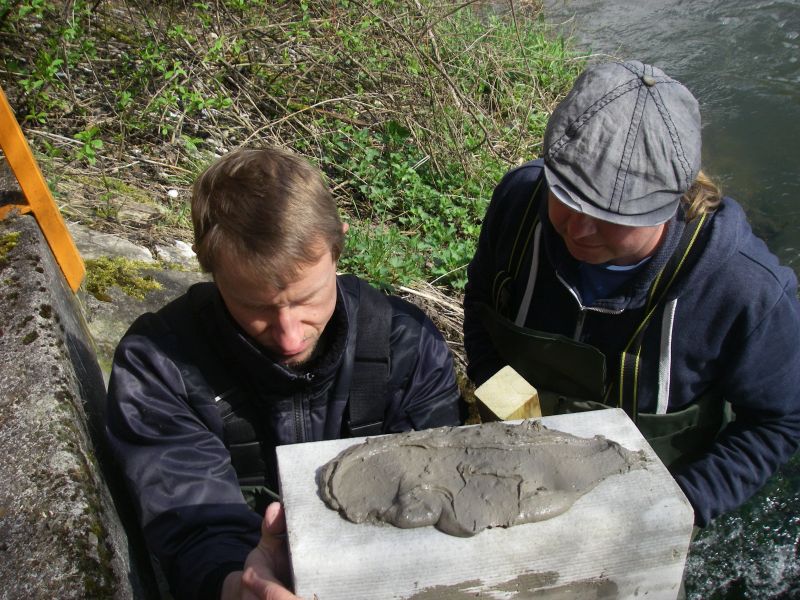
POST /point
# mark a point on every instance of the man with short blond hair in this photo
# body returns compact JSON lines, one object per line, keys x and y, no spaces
{"x":279,"y":349}
{"x":267,"y":227}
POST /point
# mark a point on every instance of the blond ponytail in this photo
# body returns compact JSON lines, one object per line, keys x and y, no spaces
{"x":703,"y":197}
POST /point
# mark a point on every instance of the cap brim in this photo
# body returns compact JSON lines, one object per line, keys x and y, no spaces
{"x":567,"y":195}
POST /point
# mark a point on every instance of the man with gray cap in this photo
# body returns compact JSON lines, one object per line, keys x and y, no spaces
{"x":612,"y":273}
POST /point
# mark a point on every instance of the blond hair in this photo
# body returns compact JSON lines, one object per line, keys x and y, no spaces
{"x":266,"y":210}
{"x":702,"y":197}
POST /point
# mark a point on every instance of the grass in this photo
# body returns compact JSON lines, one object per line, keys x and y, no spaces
{"x":412,"y":108}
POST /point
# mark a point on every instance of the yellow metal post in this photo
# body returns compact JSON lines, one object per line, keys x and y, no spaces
{"x":39,"y":200}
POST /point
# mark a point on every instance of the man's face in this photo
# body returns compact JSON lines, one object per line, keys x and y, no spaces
{"x":287,"y":322}
{"x":598,"y":242}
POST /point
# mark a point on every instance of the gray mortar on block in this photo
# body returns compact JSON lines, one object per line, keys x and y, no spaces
{"x":462,"y":480}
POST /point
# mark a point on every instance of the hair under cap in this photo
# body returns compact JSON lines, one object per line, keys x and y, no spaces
{"x":624,"y":145}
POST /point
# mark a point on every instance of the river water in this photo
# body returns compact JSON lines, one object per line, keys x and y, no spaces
{"x":741,"y":59}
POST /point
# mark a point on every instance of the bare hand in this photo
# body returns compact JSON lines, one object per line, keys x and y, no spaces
{"x":267,"y":565}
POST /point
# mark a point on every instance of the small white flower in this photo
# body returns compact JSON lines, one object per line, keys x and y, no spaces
{"x":172,"y":193}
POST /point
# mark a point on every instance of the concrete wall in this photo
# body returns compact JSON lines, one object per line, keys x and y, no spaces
{"x":62,"y":524}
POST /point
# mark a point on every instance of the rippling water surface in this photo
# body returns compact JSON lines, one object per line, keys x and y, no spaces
{"x":742,"y":62}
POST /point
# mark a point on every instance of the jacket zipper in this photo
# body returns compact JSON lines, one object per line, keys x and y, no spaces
{"x":299,"y":435}
{"x":584,"y":309}
{"x":299,"y":413}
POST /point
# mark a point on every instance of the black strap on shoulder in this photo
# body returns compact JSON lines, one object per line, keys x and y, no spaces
{"x":243,"y":433}
{"x":369,"y":385}
{"x":679,"y":262}
{"x":501,"y":296}
{"x":190,"y":318}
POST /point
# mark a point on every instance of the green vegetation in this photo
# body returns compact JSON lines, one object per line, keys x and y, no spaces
{"x":413,"y":108}
{"x":104,"y":272}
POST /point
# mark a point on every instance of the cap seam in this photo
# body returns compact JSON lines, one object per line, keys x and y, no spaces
{"x":586,"y":115}
{"x":676,"y":142}
{"x":632,"y":67}
{"x":627,"y":150}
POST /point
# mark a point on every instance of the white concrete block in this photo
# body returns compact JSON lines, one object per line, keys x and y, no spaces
{"x":626,"y":538}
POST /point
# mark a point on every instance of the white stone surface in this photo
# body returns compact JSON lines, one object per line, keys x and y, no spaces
{"x":626,"y":538}
{"x":179,"y":252}
{"x":94,"y":244}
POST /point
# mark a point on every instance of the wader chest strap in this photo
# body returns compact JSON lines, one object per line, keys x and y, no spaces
{"x":243,"y":431}
{"x":369,"y":386}
{"x":501,"y":296}
{"x":681,"y":260}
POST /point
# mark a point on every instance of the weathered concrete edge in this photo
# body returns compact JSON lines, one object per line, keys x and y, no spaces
{"x":61,"y":533}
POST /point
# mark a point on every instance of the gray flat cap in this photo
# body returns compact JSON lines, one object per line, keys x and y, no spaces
{"x":624,"y":145}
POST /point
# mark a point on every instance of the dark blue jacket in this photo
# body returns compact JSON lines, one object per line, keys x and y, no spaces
{"x":735,"y":332}
{"x":166,"y":433}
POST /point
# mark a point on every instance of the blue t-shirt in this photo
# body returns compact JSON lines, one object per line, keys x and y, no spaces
{"x":602,"y":281}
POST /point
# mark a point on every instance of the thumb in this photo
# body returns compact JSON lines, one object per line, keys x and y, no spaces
{"x":274,"y":522}
{"x":273,"y":539}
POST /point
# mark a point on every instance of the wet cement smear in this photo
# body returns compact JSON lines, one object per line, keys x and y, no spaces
{"x":530,"y":586}
{"x":464,"y":479}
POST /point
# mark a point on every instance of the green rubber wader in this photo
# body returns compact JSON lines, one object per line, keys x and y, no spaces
{"x":569,"y":377}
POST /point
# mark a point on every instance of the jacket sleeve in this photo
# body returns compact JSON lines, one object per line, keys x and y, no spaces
{"x":500,"y":225}
{"x":176,"y":467}
{"x":423,"y":387}
{"x":762,"y":383}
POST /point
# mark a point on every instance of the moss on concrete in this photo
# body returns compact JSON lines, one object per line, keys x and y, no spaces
{"x":7,"y":243}
{"x":104,"y":272}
